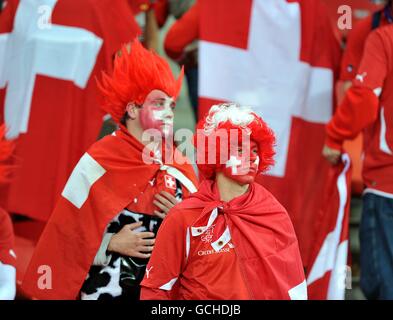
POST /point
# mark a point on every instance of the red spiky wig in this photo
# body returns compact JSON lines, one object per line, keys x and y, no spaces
{"x":137,"y":72}
{"x":6,"y":149}
{"x":230,"y":116}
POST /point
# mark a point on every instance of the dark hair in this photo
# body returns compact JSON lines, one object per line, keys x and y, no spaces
{"x":124,"y":118}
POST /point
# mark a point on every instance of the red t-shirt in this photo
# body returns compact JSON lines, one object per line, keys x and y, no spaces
{"x":207,"y":248}
{"x":368,"y":106}
{"x":354,"y":50}
{"x":188,"y":267}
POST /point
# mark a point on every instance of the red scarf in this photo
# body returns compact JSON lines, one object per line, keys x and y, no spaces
{"x":73,"y":235}
{"x":263,"y":235}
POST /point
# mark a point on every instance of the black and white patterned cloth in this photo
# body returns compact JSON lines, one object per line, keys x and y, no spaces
{"x":120,"y":278}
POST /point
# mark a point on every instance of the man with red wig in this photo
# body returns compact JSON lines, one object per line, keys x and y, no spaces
{"x":7,"y":255}
{"x":232,"y":239}
{"x":101,"y":234}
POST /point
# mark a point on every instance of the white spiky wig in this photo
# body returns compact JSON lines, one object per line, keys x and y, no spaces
{"x":231,"y":116}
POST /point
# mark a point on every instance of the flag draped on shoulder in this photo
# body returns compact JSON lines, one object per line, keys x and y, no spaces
{"x":108,"y":177}
{"x":50,"y":54}
{"x":271,"y":264}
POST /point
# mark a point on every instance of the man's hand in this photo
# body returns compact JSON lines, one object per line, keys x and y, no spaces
{"x":331,"y":155}
{"x":164,"y":201}
{"x":130,"y":243}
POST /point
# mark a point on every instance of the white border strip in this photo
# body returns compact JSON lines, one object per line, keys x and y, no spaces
{"x":383,"y":145}
{"x":222,"y":241}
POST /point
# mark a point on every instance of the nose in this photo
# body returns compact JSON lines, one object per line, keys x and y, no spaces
{"x":253,"y":156}
{"x":170,"y":114}
{"x":255,"y":159}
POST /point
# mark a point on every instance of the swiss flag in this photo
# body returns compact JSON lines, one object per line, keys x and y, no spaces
{"x":282,"y":58}
{"x":51,"y":52}
{"x":170,"y":182}
{"x":328,"y":273}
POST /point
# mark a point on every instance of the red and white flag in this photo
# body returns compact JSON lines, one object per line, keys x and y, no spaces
{"x":50,"y":54}
{"x":328,"y":272}
{"x":282,"y":58}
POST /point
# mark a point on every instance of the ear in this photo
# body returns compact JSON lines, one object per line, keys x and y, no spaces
{"x":132,"y":110}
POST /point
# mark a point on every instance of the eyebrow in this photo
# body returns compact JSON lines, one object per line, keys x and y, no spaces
{"x":163,"y":99}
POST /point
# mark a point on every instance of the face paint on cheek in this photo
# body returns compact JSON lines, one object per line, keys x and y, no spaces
{"x":255,"y":163}
{"x":237,"y":169}
{"x":232,"y":165}
{"x":164,"y":120}
{"x":147,"y":119}
{"x":160,"y":117}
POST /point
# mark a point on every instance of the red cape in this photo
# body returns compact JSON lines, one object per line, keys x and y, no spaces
{"x":73,"y":235}
{"x":263,"y":236}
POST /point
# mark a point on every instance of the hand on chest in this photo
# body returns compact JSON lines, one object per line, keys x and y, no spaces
{"x":143,"y":203}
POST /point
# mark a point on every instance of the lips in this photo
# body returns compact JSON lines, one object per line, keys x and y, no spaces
{"x":247,"y":170}
{"x":165,"y":123}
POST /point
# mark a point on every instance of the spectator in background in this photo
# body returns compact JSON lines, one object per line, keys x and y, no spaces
{"x":176,"y":8}
{"x":145,"y":17}
{"x":359,"y":10}
{"x":181,"y":40}
{"x":368,"y":107}
{"x":356,"y":40}
{"x":7,"y":255}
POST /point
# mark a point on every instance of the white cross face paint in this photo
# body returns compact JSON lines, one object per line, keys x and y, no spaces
{"x":166,"y":116}
{"x":157,"y":112}
{"x":233,"y":163}
{"x":243,"y":166}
